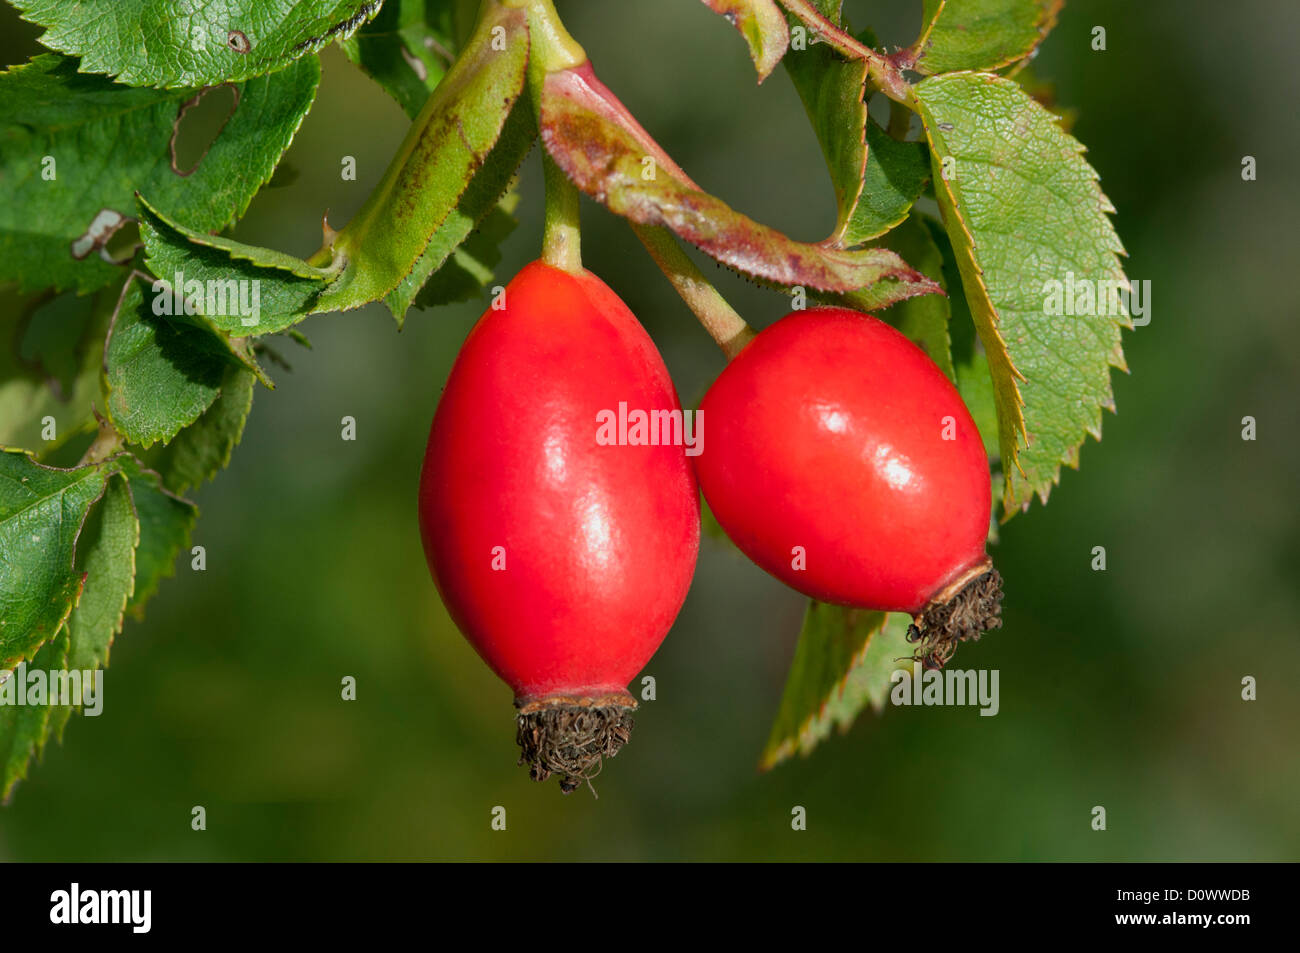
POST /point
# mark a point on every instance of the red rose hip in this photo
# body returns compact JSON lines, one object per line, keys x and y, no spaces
{"x":563,"y":560}
{"x":841,"y":460}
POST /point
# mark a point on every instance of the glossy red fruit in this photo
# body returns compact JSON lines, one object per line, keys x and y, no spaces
{"x":842,"y":460}
{"x":562,"y":560}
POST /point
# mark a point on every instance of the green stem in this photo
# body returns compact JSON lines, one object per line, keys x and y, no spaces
{"x":720,"y":319}
{"x":561,"y":240}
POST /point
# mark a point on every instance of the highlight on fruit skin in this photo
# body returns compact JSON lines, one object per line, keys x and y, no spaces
{"x":563,"y":560}
{"x":843,"y":461}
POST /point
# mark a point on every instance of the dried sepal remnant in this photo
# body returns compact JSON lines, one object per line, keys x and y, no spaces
{"x":963,"y":611}
{"x":571,"y":737}
{"x":608,"y":155}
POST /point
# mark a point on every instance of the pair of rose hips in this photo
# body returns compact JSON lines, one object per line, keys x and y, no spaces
{"x":837,"y":456}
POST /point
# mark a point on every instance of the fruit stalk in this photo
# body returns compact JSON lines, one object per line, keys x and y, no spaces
{"x":561,"y":238}
{"x":720,"y":319}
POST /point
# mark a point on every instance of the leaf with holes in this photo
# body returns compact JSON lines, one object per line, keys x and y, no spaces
{"x":41,"y":513}
{"x":601,"y":148}
{"x":165,"y":44}
{"x":1025,"y":214}
{"x":982,"y":34}
{"x":842,"y":664}
{"x":448,"y":142}
{"x":74,"y":149}
{"x":762,"y":25}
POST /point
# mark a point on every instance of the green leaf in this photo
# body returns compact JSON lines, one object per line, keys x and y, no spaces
{"x":982,"y":34}
{"x":832,"y":90}
{"x":106,"y":554}
{"x":461,"y":265}
{"x":25,"y":728}
{"x":203,"y":449}
{"x":923,"y":319}
{"x":1024,"y":210}
{"x":448,"y":142}
{"x":51,"y":368}
{"x":160,"y":373}
{"x":471,"y":266}
{"x":408,"y":46}
{"x":101,"y":142}
{"x":168,"y":44}
{"x":603,"y":150}
{"x":843,"y":663}
{"x":896,"y":174}
{"x":166,"y":522}
{"x":762,"y":25}
{"x":970,"y":365}
{"x":41,"y":513}
{"x":242,"y":290}
{"x":406,"y":49}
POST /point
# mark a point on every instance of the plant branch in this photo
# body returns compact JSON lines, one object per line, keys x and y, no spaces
{"x":882,"y":72}
{"x":720,"y":319}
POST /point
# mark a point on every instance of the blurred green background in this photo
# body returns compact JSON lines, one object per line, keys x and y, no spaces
{"x":1118,"y":688}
